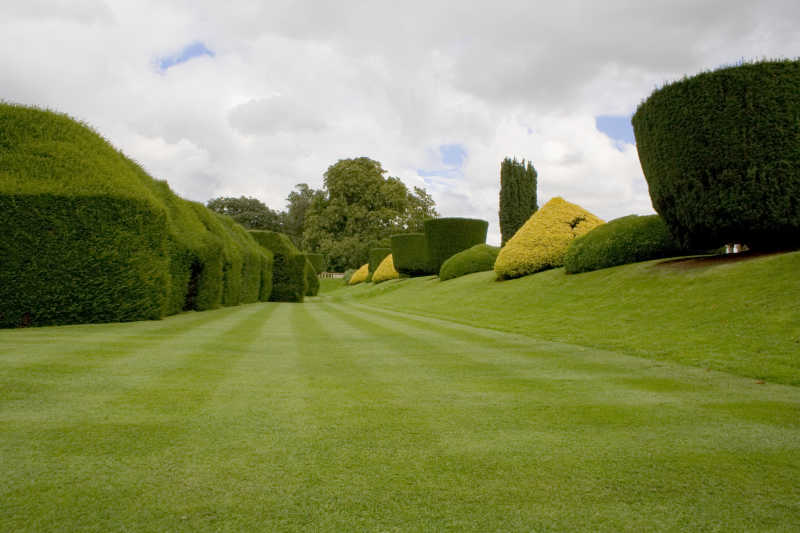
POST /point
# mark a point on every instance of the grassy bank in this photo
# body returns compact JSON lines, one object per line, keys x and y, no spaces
{"x":341,"y":417}
{"x":737,"y":314}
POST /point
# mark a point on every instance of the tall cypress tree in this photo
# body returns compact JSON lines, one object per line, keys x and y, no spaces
{"x":517,"y":195}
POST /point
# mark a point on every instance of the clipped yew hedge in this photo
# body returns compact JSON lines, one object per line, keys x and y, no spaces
{"x":542,"y":241}
{"x":478,"y":258}
{"x":621,"y":241}
{"x":318,"y":261}
{"x":446,"y":237}
{"x":721,"y":155}
{"x":410,"y":254}
{"x":89,"y":236}
{"x":385,"y":270}
{"x":312,"y":279}
{"x":289,"y":269}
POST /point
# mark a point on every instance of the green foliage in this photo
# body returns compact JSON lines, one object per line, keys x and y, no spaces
{"x":410,"y":254}
{"x":289,"y":269}
{"x":297,"y":204}
{"x":358,"y":209}
{"x":517,"y":195}
{"x":376,"y":255}
{"x":446,"y":237}
{"x":478,"y":258}
{"x":621,"y":241}
{"x":249,"y":212}
{"x":312,"y":279}
{"x":721,"y":154}
{"x":347,"y":275}
{"x":90,"y":237}
{"x":319,"y":261}
{"x":542,"y":242}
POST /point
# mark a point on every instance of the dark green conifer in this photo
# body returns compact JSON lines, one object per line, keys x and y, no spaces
{"x":517,"y":195}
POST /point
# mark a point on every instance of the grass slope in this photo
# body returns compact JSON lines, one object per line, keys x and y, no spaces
{"x":738,"y":315}
{"x":337,"y":416}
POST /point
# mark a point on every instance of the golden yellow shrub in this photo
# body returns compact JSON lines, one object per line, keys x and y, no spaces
{"x":360,"y":275}
{"x":385,"y":270}
{"x":543,"y":240}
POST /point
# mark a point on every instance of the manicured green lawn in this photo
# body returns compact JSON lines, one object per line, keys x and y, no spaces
{"x":737,"y":315}
{"x":331,"y":416}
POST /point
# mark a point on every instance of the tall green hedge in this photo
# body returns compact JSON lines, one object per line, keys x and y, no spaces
{"x":410,"y":254}
{"x":89,"y":236}
{"x":319,"y":261}
{"x":478,"y":258}
{"x":289,"y":267}
{"x":446,"y":237}
{"x":621,"y":241}
{"x":721,"y":154}
{"x":312,"y":279}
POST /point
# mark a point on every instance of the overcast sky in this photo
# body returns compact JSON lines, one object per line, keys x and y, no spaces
{"x":232,"y":98}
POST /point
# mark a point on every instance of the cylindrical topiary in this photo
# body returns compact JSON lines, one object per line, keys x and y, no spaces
{"x":312,"y":280}
{"x":621,"y":241}
{"x":721,"y":154}
{"x":410,"y":254}
{"x":360,"y":275}
{"x":376,"y":255}
{"x":478,"y":258}
{"x":385,"y":270}
{"x":446,"y":237}
{"x":289,"y":267}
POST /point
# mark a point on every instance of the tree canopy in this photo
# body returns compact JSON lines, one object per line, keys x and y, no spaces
{"x":359,"y":209}
{"x":249,"y":212}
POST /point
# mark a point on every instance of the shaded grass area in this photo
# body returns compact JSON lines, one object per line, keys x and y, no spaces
{"x":739,"y":315}
{"x":331,"y":417}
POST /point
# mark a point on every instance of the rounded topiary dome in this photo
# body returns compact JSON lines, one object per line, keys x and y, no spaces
{"x":721,"y":155}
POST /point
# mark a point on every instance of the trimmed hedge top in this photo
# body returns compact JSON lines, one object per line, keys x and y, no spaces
{"x":446,"y":237}
{"x":543,"y":240}
{"x":621,"y":241}
{"x":385,"y":270}
{"x":479,"y":258}
{"x":721,"y":154}
{"x":410,"y":254}
{"x":319,"y":261}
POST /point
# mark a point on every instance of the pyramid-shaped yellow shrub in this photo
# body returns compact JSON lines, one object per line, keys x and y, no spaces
{"x":360,"y":275}
{"x":385,"y":270}
{"x":542,"y":241}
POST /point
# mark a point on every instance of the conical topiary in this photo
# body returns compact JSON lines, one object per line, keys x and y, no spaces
{"x":360,"y":275}
{"x":542,"y":241}
{"x":385,"y":270}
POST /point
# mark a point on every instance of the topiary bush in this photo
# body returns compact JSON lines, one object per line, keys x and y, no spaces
{"x":446,"y":237}
{"x":385,"y":270}
{"x":289,"y":267}
{"x":89,"y":236}
{"x":621,"y":241}
{"x":542,"y":241}
{"x":410,"y":254}
{"x":318,"y":261}
{"x":478,"y":258}
{"x":347,"y":275}
{"x":376,"y":255}
{"x":312,"y":279}
{"x":721,"y":155}
{"x":360,"y":275}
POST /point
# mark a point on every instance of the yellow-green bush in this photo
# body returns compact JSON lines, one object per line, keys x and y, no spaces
{"x":385,"y":270}
{"x":542,"y":241}
{"x":360,"y":275}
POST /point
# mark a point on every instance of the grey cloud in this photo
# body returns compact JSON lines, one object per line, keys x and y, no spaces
{"x":276,"y":114}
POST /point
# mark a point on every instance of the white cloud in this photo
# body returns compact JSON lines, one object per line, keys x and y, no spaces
{"x":293,"y":86}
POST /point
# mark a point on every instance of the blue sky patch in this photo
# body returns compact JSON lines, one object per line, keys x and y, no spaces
{"x":618,"y":127}
{"x":195,"y":49}
{"x":452,"y":158}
